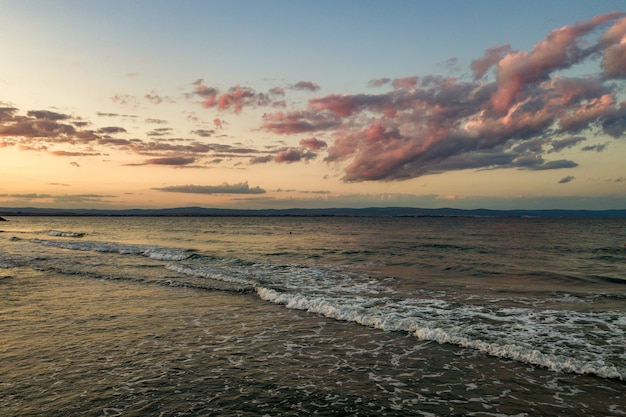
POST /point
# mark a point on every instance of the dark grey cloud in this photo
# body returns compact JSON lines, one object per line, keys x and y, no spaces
{"x":294,"y":154}
{"x":171,"y":160}
{"x":596,"y":148}
{"x":379,"y":82}
{"x":491,"y":57}
{"x":156,"y":121}
{"x":7,"y":113}
{"x":559,"y":145}
{"x":110,"y":130}
{"x":560,"y":164}
{"x":615,"y":124}
{"x":262,"y":159}
{"x":305,"y":85}
{"x":205,"y":133}
{"x":49,"y":115}
{"x":125,"y":116}
{"x":163,"y":131}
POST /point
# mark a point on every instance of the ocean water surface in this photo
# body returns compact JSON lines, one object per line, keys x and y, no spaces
{"x":250,"y":316}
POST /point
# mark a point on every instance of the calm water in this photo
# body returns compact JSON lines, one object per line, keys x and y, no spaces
{"x":299,"y":316}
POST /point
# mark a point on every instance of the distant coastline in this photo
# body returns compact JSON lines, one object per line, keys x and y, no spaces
{"x":314,"y":212}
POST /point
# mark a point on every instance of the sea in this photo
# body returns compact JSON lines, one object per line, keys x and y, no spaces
{"x":297,"y":316}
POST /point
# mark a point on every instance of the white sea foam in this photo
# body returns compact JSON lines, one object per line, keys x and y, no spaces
{"x":214,"y":273}
{"x":580,"y":342}
{"x":462,"y":327}
{"x":166,"y":254}
{"x":6,"y":264}
{"x":153,"y":252}
{"x":64,"y":234}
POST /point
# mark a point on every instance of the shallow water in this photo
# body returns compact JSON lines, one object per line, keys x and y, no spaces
{"x":195,"y":323}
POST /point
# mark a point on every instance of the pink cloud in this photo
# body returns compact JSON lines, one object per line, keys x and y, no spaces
{"x":345,"y":105}
{"x":294,"y":155}
{"x":614,"y":62}
{"x":615,"y":33}
{"x":442,"y":127}
{"x":208,"y":94}
{"x":219,"y":123}
{"x":595,"y":109}
{"x":313,"y":143}
{"x":368,"y":145}
{"x":406,"y":82}
{"x":278,"y":91}
{"x":491,"y":57}
{"x":572,"y":90}
{"x":558,"y":50}
{"x":448,"y":124}
{"x":299,"y":122}
{"x":236,"y":98}
{"x":342,"y":104}
{"x":425,"y":125}
{"x":288,"y":155}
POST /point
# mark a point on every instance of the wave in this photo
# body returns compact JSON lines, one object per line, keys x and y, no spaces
{"x":151,"y":251}
{"x":65,"y":234}
{"x":6,"y":264}
{"x":547,"y":338}
{"x":295,"y":278}
{"x":369,"y":314}
{"x":560,"y":340}
{"x":213,"y":273}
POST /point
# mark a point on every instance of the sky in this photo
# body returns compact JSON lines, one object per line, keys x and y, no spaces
{"x":282,"y":104}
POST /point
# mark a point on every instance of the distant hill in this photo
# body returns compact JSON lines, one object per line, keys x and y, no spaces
{"x":351,"y":212}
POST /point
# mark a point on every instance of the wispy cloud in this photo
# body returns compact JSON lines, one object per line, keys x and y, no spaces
{"x":379,"y":82}
{"x":224,"y":188}
{"x":36,"y":198}
{"x":406,"y":82}
{"x":300,"y":122}
{"x":235,"y":99}
{"x":156,"y":98}
{"x":313,"y":143}
{"x":294,"y":155}
{"x":306,"y":85}
{"x":596,"y":148}
{"x":173,"y":160}
{"x":110,"y":130}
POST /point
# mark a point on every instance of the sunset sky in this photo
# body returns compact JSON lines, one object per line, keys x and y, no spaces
{"x":281,"y":104}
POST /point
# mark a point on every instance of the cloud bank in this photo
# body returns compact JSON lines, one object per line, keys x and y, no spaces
{"x":517,"y":107}
{"x":514,"y":109}
{"x":225,"y":188}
